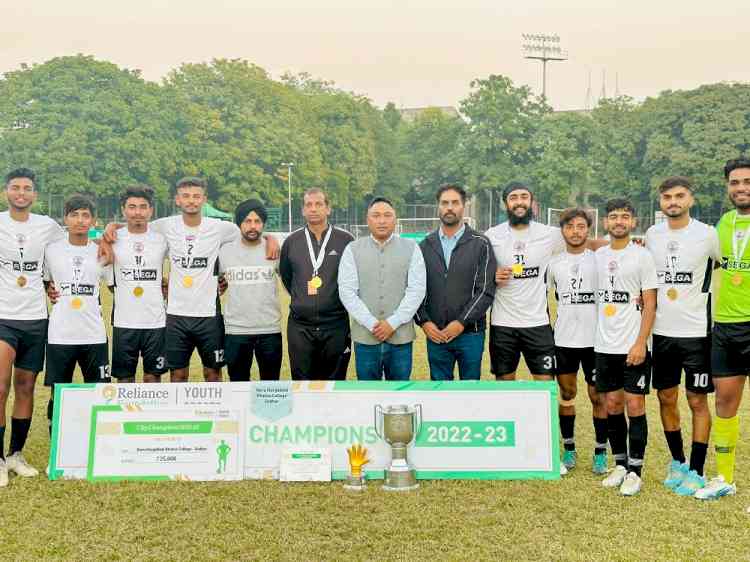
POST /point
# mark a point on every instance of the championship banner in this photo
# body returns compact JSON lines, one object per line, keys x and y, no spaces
{"x":469,"y":429}
{"x":228,"y":431}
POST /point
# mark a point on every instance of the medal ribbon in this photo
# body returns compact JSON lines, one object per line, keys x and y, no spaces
{"x":138,"y":259}
{"x":672,"y":267}
{"x":20,"y":248}
{"x":575,"y":288}
{"x":317,"y":262}
{"x":77,"y":273}
{"x":612,"y":277}
{"x":737,"y":249}
{"x":185,"y":233}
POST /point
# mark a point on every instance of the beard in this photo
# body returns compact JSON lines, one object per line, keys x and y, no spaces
{"x":251,"y":236}
{"x":514,"y":219}
{"x":674,"y":213}
{"x":576,"y":244}
{"x":449,"y":219}
{"x":741,"y":206}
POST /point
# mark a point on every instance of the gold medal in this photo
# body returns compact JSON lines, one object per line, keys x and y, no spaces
{"x":138,"y":291}
{"x":517,"y":269}
{"x":737,"y":279}
{"x":316,"y":282}
{"x":187,"y":281}
{"x":609,"y":310}
{"x":76,"y":303}
{"x":21,"y":281}
{"x":672,"y":294}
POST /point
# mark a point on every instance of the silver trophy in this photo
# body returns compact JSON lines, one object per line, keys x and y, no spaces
{"x":398,"y":425}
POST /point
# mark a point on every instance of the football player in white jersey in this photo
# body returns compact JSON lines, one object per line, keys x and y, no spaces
{"x":685,"y":251}
{"x":520,"y":320}
{"x":572,"y":275}
{"x":76,"y":332}
{"x":193,"y":318}
{"x":23,"y":311}
{"x":626,"y":298}
{"x":138,"y":312}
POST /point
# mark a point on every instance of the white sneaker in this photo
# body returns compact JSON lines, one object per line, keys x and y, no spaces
{"x":563,"y":470}
{"x":3,"y":474}
{"x":631,"y":485}
{"x":715,"y":489}
{"x":616,"y":477}
{"x":16,"y":463}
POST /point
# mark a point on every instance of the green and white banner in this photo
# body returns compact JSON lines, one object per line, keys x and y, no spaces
{"x":229,"y":431}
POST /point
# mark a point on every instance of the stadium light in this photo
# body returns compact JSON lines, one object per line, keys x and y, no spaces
{"x":289,"y":166}
{"x":539,"y":46}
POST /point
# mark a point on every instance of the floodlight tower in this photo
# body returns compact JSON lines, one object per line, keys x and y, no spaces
{"x":544,"y":48}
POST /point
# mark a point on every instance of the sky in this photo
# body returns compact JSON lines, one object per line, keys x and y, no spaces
{"x":414,"y":53}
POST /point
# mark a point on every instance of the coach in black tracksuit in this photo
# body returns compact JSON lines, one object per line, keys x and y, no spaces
{"x":318,"y":334}
{"x":460,"y":267}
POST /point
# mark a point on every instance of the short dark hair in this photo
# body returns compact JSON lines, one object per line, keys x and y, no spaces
{"x":313,"y":191}
{"x":451,"y":187}
{"x":735,"y":163}
{"x":676,"y":181}
{"x":190,"y":181}
{"x":575,"y":212}
{"x":378,"y":199}
{"x":140,"y":191}
{"x":77,"y":202}
{"x":619,"y":203}
{"x":514,"y":185}
{"x":247,"y":207}
{"x":21,"y":173}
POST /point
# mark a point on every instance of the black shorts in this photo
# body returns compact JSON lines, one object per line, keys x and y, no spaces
{"x":61,"y":362}
{"x":239,"y":350}
{"x":128,"y":344}
{"x":27,"y":338}
{"x":613,"y":374}
{"x":673,"y":355}
{"x":319,"y":352}
{"x":570,"y":359}
{"x":537,"y":345}
{"x":730,"y":349}
{"x":184,"y":334}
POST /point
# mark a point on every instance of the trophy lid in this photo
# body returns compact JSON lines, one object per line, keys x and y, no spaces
{"x":398,"y":409}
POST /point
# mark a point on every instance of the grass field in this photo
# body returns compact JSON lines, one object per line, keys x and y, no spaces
{"x":573,"y":519}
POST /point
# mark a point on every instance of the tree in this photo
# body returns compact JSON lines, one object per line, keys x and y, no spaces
{"x":563,"y":174}
{"x":431,"y":143}
{"x":86,"y":126}
{"x":239,"y":126}
{"x":497,"y":145}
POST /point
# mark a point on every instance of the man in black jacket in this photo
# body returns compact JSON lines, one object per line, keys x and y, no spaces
{"x":460,"y":267}
{"x":318,"y":333}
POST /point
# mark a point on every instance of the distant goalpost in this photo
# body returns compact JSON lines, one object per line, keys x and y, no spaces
{"x":553,"y":218}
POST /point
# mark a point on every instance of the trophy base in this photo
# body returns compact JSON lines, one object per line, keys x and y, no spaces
{"x":400,"y":480}
{"x":355,"y":484}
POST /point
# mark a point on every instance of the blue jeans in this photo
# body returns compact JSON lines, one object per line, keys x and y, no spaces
{"x":466,"y":349}
{"x":383,"y":359}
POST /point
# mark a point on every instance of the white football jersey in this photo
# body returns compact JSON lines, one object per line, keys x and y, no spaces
{"x":22,"y":247}
{"x":573,"y":276}
{"x":621,"y":276}
{"x":684,"y":261}
{"x":76,"y":318}
{"x":136,"y":276}
{"x":522,"y":303}
{"x":193,"y":253}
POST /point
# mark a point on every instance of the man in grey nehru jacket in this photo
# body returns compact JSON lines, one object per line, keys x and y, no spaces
{"x":382,"y":283}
